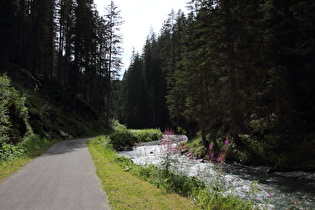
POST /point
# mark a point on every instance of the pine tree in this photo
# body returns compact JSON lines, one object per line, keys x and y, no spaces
{"x":173,"y":41}
{"x":113,"y":61}
{"x":9,"y":32}
{"x":289,"y":46}
{"x":155,"y":84}
{"x":65,"y":29}
{"x":134,"y":89}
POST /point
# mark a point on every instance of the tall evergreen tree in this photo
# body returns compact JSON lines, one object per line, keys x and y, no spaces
{"x":9,"y":32}
{"x":135,"y":95}
{"x":113,"y":60}
{"x":173,"y":41}
{"x":155,"y":84}
{"x":288,"y":43}
{"x":65,"y":29}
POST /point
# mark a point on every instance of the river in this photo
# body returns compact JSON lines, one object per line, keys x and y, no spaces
{"x":278,"y":190}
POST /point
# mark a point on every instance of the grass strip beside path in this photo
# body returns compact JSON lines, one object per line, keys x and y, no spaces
{"x":8,"y":168}
{"x":126,"y":191}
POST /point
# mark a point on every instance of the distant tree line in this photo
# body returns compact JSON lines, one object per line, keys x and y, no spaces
{"x":236,"y":69}
{"x":144,"y":89}
{"x":66,"y":40}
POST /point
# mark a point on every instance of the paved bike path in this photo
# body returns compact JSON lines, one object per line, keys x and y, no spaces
{"x":63,"y":177}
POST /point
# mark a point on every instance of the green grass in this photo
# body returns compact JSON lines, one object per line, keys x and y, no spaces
{"x":130,"y":186}
{"x":34,"y":149}
{"x":127,"y":191}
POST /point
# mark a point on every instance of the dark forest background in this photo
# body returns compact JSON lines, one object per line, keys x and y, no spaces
{"x":239,"y":70}
{"x":67,"y":41}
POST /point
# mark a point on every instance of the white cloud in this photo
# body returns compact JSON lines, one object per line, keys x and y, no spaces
{"x":139,"y":17}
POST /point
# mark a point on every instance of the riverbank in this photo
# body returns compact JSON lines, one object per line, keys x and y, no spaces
{"x":126,"y":191}
{"x":121,"y":180}
{"x":262,"y":156}
{"x":274,"y":190}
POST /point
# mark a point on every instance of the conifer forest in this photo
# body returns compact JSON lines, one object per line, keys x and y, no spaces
{"x":242,"y":70}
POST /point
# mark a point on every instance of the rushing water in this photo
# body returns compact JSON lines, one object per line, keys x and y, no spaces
{"x":281,"y":190}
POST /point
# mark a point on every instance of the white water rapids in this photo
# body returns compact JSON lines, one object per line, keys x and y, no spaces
{"x":289,"y":190}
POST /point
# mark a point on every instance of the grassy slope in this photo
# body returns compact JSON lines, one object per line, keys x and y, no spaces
{"x":126,"y":191}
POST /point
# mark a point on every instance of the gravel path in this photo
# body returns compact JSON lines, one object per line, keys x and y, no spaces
{"x":64,"y":177}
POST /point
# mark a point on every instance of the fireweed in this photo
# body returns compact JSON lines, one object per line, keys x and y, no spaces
{"x":206,"y":194}
{"x":170,"y":151}
{"x":171,"y":147}
{"x":177,"y":177}
{"x":173,"y":175}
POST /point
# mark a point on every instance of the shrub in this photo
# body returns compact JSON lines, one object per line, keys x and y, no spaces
{"x":14,"y":126}
{"x":9,"y":152}
{"x":147,"y":135}
{"x":116,"y":126}
{"x":124,"y":139}
{"x":103,"y":141}
{"x":13,"y":113}
{"x":32,"y":141}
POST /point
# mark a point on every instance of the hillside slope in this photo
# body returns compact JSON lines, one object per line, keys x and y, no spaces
{"x":51,"y":110}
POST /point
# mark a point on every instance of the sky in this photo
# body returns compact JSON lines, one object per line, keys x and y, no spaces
{"x":140,"y":16}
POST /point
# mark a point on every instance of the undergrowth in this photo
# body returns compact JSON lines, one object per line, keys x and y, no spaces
{"x":124,"y":139}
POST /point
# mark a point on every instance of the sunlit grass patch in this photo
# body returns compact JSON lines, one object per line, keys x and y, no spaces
{"x":126,"y":191}
{"x":169,"y":182}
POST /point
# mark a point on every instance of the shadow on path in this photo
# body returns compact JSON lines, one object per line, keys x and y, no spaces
{"x":66,"y":147}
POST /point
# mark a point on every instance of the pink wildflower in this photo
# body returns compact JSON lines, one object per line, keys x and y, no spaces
{"x":168,"y":132}
{"x":270,"y":195}
{"x":210,"y":146}
{"x":190,"y":155}
{"x":199,"y":160}
{"x":219,"y":159}
{"x":226,"y":142}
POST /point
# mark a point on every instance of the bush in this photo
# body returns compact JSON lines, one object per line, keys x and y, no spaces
{"x":147,"y":135}
{"x":14,"y":126}
{"x":31,"y":142}
{"x":103,"y":141}
{"x":124,"y":139}
{"x":13,"y":114}
{"x":116,"y":126}
{"x":9,"y":152}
